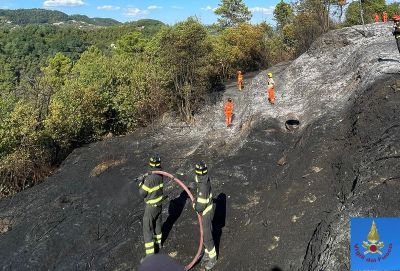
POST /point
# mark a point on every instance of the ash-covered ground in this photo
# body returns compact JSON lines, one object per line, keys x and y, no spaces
{"x":292,"y":215}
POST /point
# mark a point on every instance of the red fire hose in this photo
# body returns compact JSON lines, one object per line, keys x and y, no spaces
{"x":181,"y":184}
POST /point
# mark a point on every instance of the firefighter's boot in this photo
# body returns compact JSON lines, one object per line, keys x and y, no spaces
{"x":210,"y":263}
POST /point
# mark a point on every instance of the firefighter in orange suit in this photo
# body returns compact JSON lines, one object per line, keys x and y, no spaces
{"x":240,"y":80}
{"x":376,"y":18}
{"x":228,"y":110}
{"x":271,"y":89}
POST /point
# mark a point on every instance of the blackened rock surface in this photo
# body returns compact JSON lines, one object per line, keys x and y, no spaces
{"x":368,"y":177}
{"x":342,"y":162}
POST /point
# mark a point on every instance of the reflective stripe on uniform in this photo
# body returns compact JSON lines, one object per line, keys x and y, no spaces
{"x":149,"y":248}
{"x":149,"y":245}
{"x":211,"y":254}
{"x":201,"y":172}
{"x":209,"y":208}
{"x":154,"y":201}
{"x":151,"y":189}
{"x":150,"y":251}
{"x":158,"y":238}
{"x":203,"y":200}
{"x":154,"y":164}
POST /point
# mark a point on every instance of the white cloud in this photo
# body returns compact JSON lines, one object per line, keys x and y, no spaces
{"x":152,"y":7}
{"x":177,"y":7}
{"x":263,"y":10}
{"x":209,"y":8}
{"x":134,"y":12}
{"x":61,"y":3}
{"x":108,"y":7}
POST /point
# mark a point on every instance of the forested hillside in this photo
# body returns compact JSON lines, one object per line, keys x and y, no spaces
{"x":61,"y":87}
{"x":44,"y":16}
{"x":27,"y":48}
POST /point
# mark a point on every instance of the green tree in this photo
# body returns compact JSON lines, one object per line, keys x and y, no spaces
{"x":184,"y":50}
{"x":318,"y":10}
{"x":392,"y":9}
{"x":23,"y":161}
{"x":77,"y":113}
{"x":7,"y":98}
{"x":247,"y":45}
{"x":279,"y":47}
{"x":353,"y":14}
{"x":140,"y":89}
{"x":311,"y":21}
{"x":232,"y":12}
{"x":6,"y":77}
{"x":54,"y":76}
{"x":19,"y":127}
{"x":131,"y":43}
{"x":225,"y":56}
{"x":370,"y":7}
{"x":283,"y":14}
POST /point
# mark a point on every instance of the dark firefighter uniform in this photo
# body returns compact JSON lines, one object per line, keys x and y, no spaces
{"x":151,"y":188}
{"x":396,"y":30}
{"x":204,"y":206}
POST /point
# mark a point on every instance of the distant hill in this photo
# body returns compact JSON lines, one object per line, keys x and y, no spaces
{"x":44,"y":16}
{"x":95,"y":21}
{"x":148,"y":27}
{"x":145,"y":22}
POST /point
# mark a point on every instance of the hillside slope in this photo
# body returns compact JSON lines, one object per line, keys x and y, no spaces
{"x":12,"y":17}
{"x":342,"y":162}
{"x":44,"y":16}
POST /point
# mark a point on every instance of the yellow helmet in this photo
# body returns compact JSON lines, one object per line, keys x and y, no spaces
{"x":270,"y":75}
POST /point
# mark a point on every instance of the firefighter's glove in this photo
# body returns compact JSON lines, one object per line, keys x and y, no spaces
{"x":140,"y":179}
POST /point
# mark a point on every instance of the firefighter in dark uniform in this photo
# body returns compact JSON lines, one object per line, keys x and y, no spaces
{"x":396,"y":30}
{"x":151,"y":188}
{"x":204,"y":206}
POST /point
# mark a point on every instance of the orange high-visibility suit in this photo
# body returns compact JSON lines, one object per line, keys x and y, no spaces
{"x":385,"y":17}
{"x":271,"y":90}
{"x":228,"y":109}
{"x":240,"y":80}
{"x":376,"y":18}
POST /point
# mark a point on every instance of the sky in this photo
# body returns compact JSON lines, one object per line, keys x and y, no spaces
{"x":168,"y":12}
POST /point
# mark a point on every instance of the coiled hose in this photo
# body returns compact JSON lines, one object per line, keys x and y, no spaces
{"x":184,"y":187}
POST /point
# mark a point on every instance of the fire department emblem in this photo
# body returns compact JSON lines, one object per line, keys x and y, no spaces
{"x":373,"y":245}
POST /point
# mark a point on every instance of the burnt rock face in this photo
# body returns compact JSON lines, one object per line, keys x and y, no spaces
{"x":341,"y":162}
{"x":366,"y":174}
